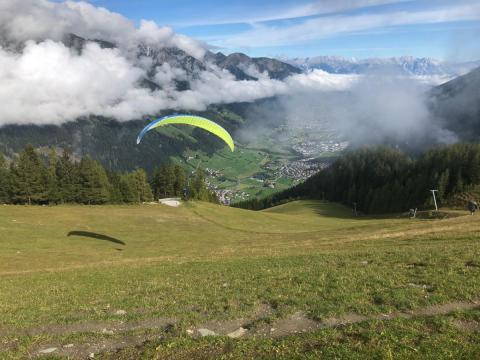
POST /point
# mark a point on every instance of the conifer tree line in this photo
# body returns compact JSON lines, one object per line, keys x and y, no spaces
{"x":170,"y":180}
{"x":383,"y":180}
{"x":35,"y":179}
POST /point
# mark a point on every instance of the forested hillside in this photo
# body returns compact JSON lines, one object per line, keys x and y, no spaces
{"x":456,"y":105}
{"x":53,"y":179}
{"x":382,"y":180}
{"x":112,"y":143}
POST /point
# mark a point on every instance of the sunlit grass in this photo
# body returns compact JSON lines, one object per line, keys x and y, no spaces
{"x":203,"y":261}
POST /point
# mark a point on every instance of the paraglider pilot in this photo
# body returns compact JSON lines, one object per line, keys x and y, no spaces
{"x":472,"y":206}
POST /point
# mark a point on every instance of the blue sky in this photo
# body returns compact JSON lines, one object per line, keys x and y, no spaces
{"x":443,"y":29}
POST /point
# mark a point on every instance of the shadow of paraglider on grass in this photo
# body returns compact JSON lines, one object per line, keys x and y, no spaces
{"x":93,"y":235}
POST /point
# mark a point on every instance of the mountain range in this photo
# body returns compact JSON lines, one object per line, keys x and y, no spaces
{"x":112,"y":142}
{"x":406,"y":65}
{"x":240,"y":65}
{"x":455,"y":105}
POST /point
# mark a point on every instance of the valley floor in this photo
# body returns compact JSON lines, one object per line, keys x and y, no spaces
{"x":302,"y":280}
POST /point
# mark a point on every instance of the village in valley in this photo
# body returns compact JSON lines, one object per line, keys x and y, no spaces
{"x":307,"y":156}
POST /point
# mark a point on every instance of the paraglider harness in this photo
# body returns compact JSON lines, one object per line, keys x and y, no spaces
{"x":472,"y":206}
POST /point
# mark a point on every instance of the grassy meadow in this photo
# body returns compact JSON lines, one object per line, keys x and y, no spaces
{"x":123,"y":282}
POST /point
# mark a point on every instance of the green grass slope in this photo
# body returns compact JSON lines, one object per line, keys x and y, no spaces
{"x":312,"y":207}
{"x":202,"y":262}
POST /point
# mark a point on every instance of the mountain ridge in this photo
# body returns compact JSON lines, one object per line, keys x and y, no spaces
{"x":238,"y":64}
{"x":406,"y":65}
{"x":456,"y":105}
{"x":112,"y":142}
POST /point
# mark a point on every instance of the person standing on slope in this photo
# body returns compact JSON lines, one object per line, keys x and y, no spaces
{"x":472,"y":206}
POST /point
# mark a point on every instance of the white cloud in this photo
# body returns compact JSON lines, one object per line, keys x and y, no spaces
{"x":321,"y":80}
{"x":50,"y":84}
{"x":47,"y":83}
{"x":22,"y":20}
{"x":375,"y":108}
{"x":328,"y":7}
{"x":221,"y":87}
{"x":327,"y":26}
{"x":260,"y":13}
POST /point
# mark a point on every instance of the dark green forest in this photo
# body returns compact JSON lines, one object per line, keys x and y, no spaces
{"x":385,"y":180}
{"x":376,"y":179}
{"x":33,"y":178}
{"x":112,"y":143}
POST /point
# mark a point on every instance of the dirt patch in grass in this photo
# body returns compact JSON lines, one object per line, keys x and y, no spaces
{"x":90,"y":350}
{"x":255,"y":325}
{"x":236,"y":327}
{"x":92,"y":327}
{"x":467,"y":325}
{"x":300,"y":323}
{"x":293,"y":324}
{"x":444,"y":308}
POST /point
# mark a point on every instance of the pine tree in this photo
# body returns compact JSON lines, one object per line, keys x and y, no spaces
{"x":198,"y":188}
{"x":142,"y":187}
{"x":5,"y":185}
{"x":93,"y":182}
{"x":442,"y":185}
{"x":52,"y":183}
{"x":180,"y":180}
{"x":115,"y":189}
{"x":30,"y":178}
{"x":67,"y":176}
{"x":164,"y":181}
{"x":475,"y":166}
{"x":459,"y":186}
{"x":158,"y":182}
{"x":352,"y":194}
{"x":397,"y":198}
{"x":127,"y":189}
{"x":170,"y":180}
{"x":135,"y":187}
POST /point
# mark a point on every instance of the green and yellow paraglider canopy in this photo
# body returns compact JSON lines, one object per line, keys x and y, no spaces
{"x":192,"y":120}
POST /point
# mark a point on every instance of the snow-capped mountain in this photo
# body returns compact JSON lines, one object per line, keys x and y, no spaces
{"x":406,"y":65}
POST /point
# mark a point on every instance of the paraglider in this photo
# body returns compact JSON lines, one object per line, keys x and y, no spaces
{"x":192,"y":120}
